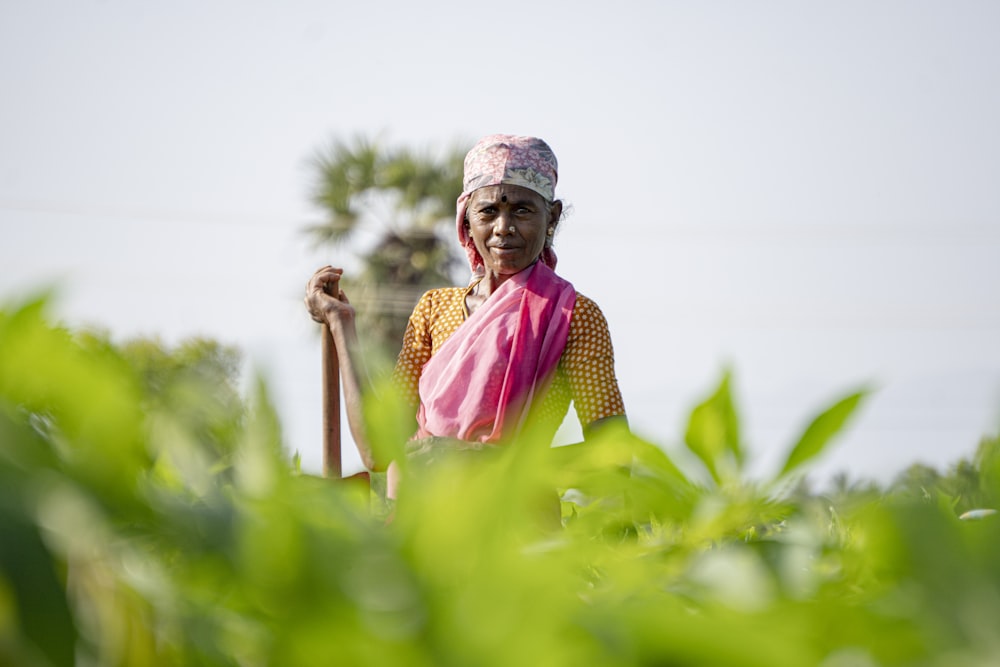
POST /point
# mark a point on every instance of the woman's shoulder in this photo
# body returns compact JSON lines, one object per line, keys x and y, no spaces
{"x":439,"y":294}
{"x":445,"y":291}
{"x":439,"y":298}
{"x":587,"y":306}
{"x":587,"y":318}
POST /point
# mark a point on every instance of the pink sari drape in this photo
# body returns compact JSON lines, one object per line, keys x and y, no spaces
{"x":480,"y":384}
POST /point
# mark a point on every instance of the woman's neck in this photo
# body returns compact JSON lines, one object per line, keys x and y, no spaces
{"x":481,"y":290}
{"x":491,"y":282}
{"x":477,"y":293}
{"x":488,"y":284}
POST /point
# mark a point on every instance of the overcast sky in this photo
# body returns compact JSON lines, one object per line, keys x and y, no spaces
{"x":807,"y":192}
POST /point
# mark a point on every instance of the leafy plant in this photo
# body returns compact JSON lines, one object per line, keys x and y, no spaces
{"x":137,"y":528}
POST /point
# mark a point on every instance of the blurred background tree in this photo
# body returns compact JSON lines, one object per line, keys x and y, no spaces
{"x":197,"y":379}
{"x":966,"y":485}
{"x":404,"y":200}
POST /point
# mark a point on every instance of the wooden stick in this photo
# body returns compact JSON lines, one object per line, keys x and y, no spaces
{"x":331,"y":406}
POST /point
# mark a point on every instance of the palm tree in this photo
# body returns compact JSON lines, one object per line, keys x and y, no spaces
{"x":407,"y":198}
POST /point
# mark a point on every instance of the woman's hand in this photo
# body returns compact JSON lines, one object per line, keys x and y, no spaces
{"x":328,"y":304}
{"x":324,"y":300}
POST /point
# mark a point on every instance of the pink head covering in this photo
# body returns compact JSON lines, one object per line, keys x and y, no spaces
{"x":510,"y":159}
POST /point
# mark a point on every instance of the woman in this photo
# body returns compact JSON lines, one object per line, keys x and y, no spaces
{"x":516,"y":346}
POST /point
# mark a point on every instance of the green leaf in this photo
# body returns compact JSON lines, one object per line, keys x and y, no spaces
{"x":822,"y":429}
{"x":713,"y":430}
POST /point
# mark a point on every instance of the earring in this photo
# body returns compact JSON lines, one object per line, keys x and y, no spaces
{"x":550,"y":231}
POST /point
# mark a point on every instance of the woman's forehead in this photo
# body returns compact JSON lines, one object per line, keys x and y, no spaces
{"x":506,"y":190}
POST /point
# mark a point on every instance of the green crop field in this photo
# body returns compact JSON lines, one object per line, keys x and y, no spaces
{"x":150,"y":515}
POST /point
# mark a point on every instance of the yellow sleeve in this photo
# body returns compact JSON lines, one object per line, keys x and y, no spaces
{"x":589,"y":364}
{"x":416,"y":351}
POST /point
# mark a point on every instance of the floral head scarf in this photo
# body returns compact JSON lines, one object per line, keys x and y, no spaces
{"x":513,"y":160}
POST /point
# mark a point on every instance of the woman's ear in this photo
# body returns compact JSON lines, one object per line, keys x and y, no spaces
{"x":555,"y":213}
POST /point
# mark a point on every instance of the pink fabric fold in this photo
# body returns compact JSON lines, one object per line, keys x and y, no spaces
{"x":480,"y":384}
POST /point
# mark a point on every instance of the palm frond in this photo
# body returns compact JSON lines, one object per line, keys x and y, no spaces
{"x":408,"y":196}
{"x":337,"y":231}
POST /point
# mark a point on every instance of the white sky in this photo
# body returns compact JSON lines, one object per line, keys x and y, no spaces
{"x":807,"y":191}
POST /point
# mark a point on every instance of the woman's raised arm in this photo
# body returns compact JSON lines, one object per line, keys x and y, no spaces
{"x":328,"y":305}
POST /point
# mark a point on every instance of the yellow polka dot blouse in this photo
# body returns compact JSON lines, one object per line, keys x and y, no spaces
{"x":585,"y":374}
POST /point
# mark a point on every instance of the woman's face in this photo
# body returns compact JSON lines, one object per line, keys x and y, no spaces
{"x":508,"y":224}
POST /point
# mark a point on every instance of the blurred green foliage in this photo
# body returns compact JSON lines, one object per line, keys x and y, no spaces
{"x":149,"y":515}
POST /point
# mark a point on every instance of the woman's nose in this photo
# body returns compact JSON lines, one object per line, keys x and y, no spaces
{"x":502,"y":226}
